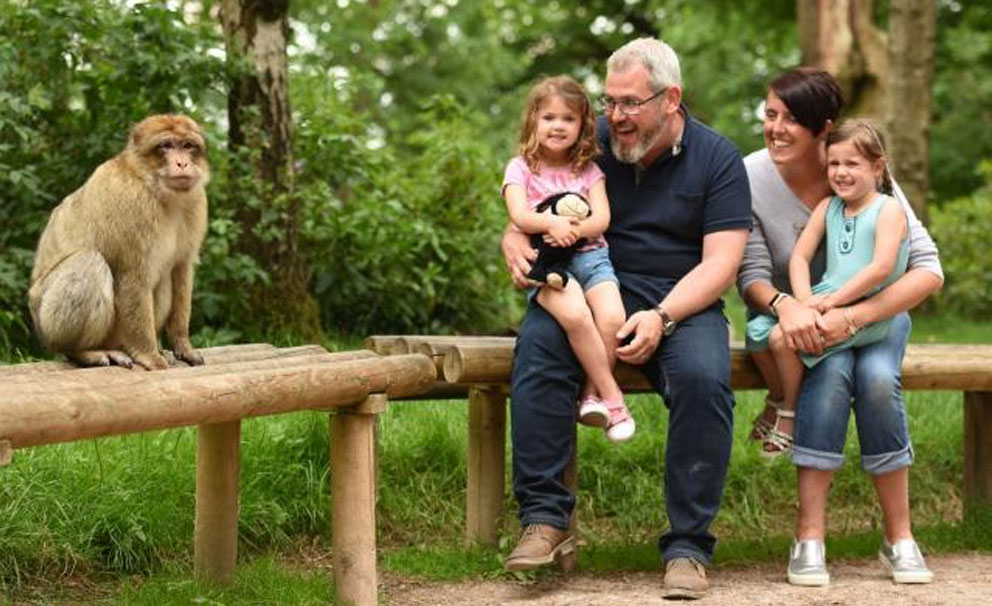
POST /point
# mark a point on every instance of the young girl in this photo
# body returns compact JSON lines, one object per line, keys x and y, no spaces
{"x":557,"y":145}
{"x":866,"y":249}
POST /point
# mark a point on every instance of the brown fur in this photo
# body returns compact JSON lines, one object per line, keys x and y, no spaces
{"x":115,"y":262}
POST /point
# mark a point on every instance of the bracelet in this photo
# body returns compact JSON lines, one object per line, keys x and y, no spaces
{"x":775,"y":301}
{"x":852,"y":328}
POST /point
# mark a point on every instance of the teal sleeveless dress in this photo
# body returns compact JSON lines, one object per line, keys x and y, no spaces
{"x":850,"y":246}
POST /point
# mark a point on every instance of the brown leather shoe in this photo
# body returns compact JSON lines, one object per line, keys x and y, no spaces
{"x":685,"y":579}
{"x":539,"y":544}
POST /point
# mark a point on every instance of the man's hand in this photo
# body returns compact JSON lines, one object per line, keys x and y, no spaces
{"x":798,"y":322}
{"x":646,"y":327}
{"x":518,"y":254}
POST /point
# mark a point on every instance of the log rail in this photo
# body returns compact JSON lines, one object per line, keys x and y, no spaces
{"x":480,"y":367}
{"x":50,"y":402}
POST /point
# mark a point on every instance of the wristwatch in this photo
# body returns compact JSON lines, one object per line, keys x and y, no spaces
{"x":668,"y":325}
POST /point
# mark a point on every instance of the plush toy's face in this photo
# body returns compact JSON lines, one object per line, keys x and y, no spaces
{"x":571,"y":206}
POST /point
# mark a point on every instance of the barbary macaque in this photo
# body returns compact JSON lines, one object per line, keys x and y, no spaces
{"x":115,"y":262}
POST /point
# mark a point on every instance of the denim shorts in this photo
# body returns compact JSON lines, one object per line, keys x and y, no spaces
{"x":589,"y":267}
{"x":871,"y":376}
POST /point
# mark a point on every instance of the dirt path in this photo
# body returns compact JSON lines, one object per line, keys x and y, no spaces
{"x":961,"y":580}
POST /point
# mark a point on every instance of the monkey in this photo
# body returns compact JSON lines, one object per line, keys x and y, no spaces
{"x":115,"y":262}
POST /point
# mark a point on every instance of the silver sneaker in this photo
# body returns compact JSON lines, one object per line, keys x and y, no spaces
{"x":808,"y":563}
{"x":905,"y":561}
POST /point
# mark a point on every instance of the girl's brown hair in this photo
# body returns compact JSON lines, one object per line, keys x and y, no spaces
{"x":574,"y":96}
{"x":868,"y":140}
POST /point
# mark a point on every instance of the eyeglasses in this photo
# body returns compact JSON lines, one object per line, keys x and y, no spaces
{"x":628,"y":107}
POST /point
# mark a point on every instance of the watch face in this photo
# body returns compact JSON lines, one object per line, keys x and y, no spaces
{"x":669,"y":328}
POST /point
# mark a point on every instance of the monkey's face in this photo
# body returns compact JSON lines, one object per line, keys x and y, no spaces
{"x":173,"y":147}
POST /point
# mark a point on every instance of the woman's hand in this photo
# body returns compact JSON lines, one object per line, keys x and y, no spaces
{"x":519,"y":255}
{"x":798,"y":322}
{"x":833,"y":326}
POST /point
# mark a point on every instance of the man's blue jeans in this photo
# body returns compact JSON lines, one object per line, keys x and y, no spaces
{"x":690,"y":370}
{"x":872,"y":376}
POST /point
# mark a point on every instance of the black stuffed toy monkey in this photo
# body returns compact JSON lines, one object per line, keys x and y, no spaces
{"x":552,"y":261}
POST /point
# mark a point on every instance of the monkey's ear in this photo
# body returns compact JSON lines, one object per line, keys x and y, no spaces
{"x":135,"y":136}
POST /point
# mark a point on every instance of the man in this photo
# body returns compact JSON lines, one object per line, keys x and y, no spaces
{"x":680,"y":207}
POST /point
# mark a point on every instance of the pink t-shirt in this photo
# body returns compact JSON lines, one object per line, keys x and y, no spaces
{"x":550,"y":181}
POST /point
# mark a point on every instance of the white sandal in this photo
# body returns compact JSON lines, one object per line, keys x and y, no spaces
{"x":780,"y":441}
{"x":760,"y":427}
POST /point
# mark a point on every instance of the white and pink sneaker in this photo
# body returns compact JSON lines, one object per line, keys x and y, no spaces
{"x":593,"y":412}
{"x":621,"y":425}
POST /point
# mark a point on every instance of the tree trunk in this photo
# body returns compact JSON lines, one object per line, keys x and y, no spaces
{"x":261,"y":137}
{"x":913,"y":33}
{"x":885,"y":77}
{"x":840,"y":37}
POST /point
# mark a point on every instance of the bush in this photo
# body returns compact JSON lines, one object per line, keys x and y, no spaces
{"x":960,"y":228}
{"x":408,"y":240}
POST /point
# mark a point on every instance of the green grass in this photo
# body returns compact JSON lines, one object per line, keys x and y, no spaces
{"x":114,"y":516}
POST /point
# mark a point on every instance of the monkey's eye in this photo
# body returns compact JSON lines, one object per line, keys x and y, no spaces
{"x":166,"y":146}
{"x":191,"y":147}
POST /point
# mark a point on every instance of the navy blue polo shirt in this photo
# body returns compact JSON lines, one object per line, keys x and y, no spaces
{"x":659,"y":217}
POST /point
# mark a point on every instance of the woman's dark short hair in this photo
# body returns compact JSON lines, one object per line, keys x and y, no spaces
{"x":812,"y":95}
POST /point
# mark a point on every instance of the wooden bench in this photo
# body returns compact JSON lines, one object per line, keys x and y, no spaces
{"x":480,"y":368}
{"x":49,"y":402}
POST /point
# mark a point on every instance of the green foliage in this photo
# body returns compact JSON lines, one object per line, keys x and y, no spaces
{"x":960,"y":228}
{"x":407,"y":244}
{"x":961,"y":133}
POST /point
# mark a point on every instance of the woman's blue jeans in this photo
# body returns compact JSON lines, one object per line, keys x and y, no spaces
{"x":872,"y":376}
{"x":690,"y":370}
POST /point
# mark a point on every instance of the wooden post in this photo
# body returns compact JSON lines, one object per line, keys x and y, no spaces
{"x":978,"y":447}
{"x":353,"y":501}
{"x":215,"y":540}
{"x":486,"y":463}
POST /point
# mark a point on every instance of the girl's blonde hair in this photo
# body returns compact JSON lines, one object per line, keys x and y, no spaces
{"x":868,"y":140}
{"x":571,"y":92}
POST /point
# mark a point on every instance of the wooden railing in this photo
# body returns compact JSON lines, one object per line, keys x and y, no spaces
{"x":50,"y":402}
{"x":46,"y":403}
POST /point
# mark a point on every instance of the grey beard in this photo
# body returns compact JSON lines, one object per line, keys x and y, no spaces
{"x":636,"y":152}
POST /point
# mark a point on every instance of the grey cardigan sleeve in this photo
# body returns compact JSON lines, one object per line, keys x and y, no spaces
{"x":756,"y":266}
{"x":922,"y":250}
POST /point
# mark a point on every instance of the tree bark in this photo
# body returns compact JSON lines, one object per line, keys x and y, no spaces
{"x":261,"y":135}
{"x":840,"y":37}
{"x":913,"y":33}
{"x":885,"y":76}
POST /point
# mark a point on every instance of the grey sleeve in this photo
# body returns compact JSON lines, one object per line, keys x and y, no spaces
{"x":922,"y":250}
{"x":756,"y":266}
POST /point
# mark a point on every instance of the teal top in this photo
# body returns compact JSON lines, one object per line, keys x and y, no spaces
{"x":850,"y":245}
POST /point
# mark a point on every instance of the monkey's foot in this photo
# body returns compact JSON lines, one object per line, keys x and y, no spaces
{"x":151,"y":361}
{"x":555,"y":281}
{"x":190,"y":356}
{"x":101,"y":357}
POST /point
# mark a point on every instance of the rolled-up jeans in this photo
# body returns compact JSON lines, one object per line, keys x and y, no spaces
{"x":872,"y":376}
{"x":690,"y":370}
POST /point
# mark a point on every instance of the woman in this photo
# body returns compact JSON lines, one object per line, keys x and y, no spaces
{"x":788,"y":178}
